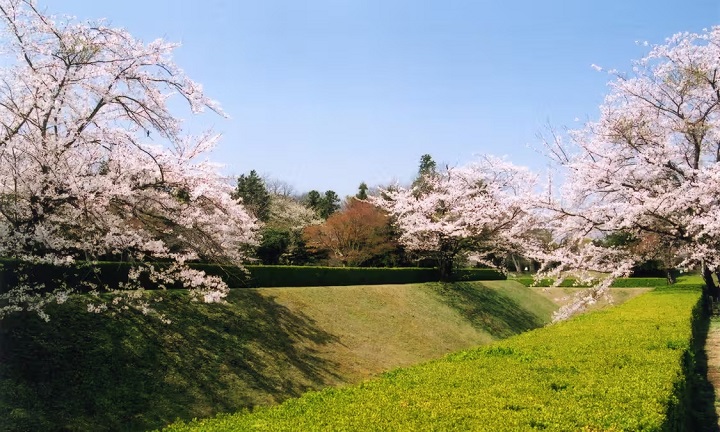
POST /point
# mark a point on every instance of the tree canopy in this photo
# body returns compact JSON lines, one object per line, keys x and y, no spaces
{"x":94,"y":165}
{"x":325,"y":204}
{"x":362,"y":191}
{"x":354,"y":235}
{"x":479,"y":208}
{"x":648,"y":167}
{"x":253,"y":194}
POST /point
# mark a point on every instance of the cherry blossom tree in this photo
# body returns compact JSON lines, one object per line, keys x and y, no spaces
{"x":480,"y":208}
{"x":289,"y":213}
{"x":649,"y":167}
{"x":93,"y":165}
{"x":282,"y":234}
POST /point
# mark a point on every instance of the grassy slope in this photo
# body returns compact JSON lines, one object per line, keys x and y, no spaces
{"x":88,"y":372}
{"x":619,"y":369}
{"x":563,"y":296}
{"x":386,"y":326}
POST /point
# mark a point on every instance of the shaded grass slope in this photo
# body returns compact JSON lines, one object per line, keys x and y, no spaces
{"x":83,"y":371}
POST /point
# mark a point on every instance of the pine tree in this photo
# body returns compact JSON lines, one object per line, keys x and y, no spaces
{"x":362,"y":191}
{"x":255,"y":197}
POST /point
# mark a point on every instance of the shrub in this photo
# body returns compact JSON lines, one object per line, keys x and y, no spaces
{"x":474,"y":274}
{"x":106,"y":273}
{"x":298,"y":276}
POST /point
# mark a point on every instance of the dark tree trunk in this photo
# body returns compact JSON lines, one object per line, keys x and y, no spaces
{"x":446,"y":258}
{"x":710,"y":286}
{"x":445,"y":267}
{"x":670,"y":276}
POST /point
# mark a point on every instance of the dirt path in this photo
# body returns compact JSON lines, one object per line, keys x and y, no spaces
{"x":712,"y":350}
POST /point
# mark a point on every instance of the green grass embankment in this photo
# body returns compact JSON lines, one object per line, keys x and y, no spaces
{"x":617,"y":283}
{"x":90,"y":372}
{"x":623,"y":368}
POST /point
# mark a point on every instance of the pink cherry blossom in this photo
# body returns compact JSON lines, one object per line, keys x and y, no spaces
{"x":478,"y":209}
{"x":94,"y":165}
{"x":649,"y":166}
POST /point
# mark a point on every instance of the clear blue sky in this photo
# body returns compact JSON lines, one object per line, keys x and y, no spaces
{"x":325,"y":94}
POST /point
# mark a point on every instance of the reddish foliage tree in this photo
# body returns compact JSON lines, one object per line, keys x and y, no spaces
{"x":352,"y":236}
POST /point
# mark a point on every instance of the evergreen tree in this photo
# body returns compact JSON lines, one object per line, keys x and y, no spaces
{"x":255,"y":197}
{"x":362,"y":191}
{"x":426,"y":171}
{"x":274,"y":244}
{"x":313,"y":200}
{"x":329,"y":204}
{"x":427,"y":165}
{"x":323,"y":205}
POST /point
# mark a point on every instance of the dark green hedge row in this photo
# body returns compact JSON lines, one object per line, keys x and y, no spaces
{"x":473,"y":274}
{"x":258,"y":276}
{"x":107,"y":273}
{"x":113,"y":273}
{"x":298,"y":276}
{"x":617,"y":283}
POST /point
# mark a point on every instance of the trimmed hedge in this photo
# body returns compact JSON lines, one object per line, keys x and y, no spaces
{"x":114,"y":273}
{"x":617,"y":283}
{"x":297,"y":276}
{"x":475,"y":274}
{"x":624,"y":368}
{"x":106,"y":273}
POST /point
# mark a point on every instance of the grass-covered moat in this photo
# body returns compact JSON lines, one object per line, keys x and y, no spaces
{"x":631,"y":367}
{"x":89,"y":372}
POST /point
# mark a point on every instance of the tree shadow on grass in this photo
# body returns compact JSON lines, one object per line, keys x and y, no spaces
{"x":701,"y":415}
{"x":84,"y":371}
{"x":487,"y":309}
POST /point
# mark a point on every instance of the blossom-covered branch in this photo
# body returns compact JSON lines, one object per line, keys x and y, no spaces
{"x":649,"y":166}
{"x":93,"y":165}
